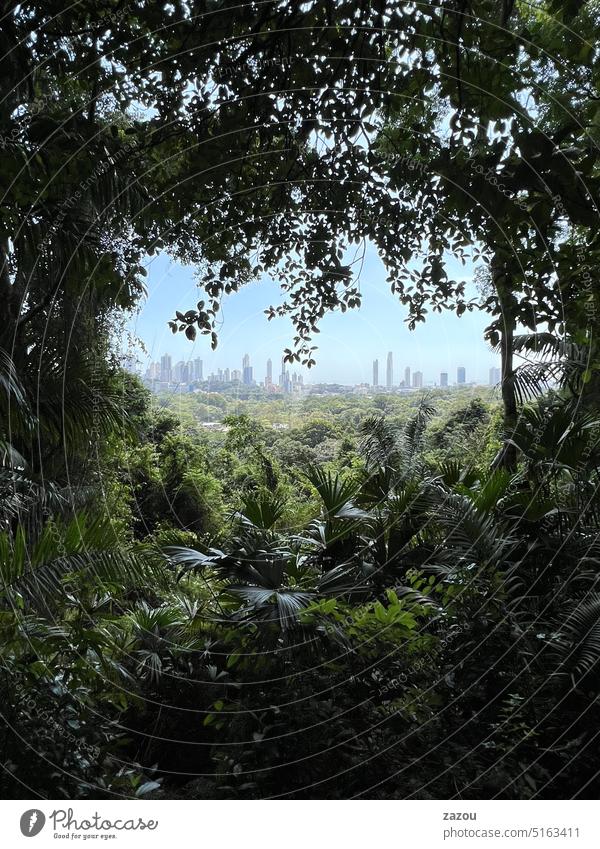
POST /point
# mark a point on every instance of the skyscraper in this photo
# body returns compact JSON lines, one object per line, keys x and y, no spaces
{"x":417,"y":380}
{"x":246,"y":371}
{"x":284,"y":378}
{"x":461,"y":375}
{"x":375,"y":372}
{"x":389,"y":372}
{"x":178,"y":371}
{"x":407,"y":377}
{"x":495,"y":375}
{"x":153,"y":372}
{"x":197,"y":369}
{"x":444,"y":378}
{"x":166,"y":368}
{"x":269,"y":378}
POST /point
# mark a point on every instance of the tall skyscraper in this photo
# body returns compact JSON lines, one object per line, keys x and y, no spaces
{"x":461,"y":375}
{"x":166,"y":368}
{"x":236,"y":375}
{"x":197,"y":369}
{"x":444,"y":378}
{"x":417,"y":380}
{"x":269,"y":378}
{"x":375,"y":372}
{"x":227,"y":375}
{"x":182,"y":373}
{"x":178,"y":371}
{"x":407,"y":377}
{"x":495,"y":376}
{"x":389,"y":372}
{"x":284,"y":378}
{"x":247,"y":378}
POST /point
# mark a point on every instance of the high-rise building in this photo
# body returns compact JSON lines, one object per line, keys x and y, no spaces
{"x":389,"y":372}
{"x":495,"y":375}
{"x":375,"y":372}
{"x":444,"y":378}
{"x":461,"y":375}
{"x":269,"y":377}
{"x":247,"y":378}
{"x":197,"y":369}
{"x":236,"y":375}
{"x":284,"y":378}
{"x":178,"y":371}
{"x":407,"y":376}
{"x":153,"y":372}
{"x":417,"y":380}
{"x":166,"y":368}
{"x":227,"y":376}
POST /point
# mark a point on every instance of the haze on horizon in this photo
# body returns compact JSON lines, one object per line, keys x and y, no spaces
{"x":347,"y":343}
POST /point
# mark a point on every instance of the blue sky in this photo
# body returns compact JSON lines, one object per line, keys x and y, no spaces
{"x":348,"y":343}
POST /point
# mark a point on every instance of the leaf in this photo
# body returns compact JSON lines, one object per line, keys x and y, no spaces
{"x":147,"y":787}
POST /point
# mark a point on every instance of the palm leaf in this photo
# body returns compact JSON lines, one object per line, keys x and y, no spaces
{"x":578,"y":647}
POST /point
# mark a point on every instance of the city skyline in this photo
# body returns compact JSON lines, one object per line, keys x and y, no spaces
{"x":167,"y":371}
{"x":347,"y":344}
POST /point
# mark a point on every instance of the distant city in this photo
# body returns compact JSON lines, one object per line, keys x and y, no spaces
{"x":189,"y":377}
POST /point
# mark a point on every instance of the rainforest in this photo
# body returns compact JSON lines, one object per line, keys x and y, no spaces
{"x":396,"y":595}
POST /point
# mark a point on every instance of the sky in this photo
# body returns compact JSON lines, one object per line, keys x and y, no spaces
{"x":347,"y":344}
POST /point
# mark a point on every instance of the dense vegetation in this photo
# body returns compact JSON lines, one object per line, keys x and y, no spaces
{"x":388,"y":597}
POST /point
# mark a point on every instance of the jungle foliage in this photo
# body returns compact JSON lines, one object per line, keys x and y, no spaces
{"x":386,"y":598}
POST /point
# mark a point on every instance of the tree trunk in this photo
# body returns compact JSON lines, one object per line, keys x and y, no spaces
{"x":8,"y":311}
{"x":506,"y":458}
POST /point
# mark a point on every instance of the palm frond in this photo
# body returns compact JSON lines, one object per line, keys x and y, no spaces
{"x":263,"y":511}
{"x":379,"y":442}
{"x":578,"y":645}
{"x":83,"y":551}
{"x":334,"y":492}
{"x":470,"y":535}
